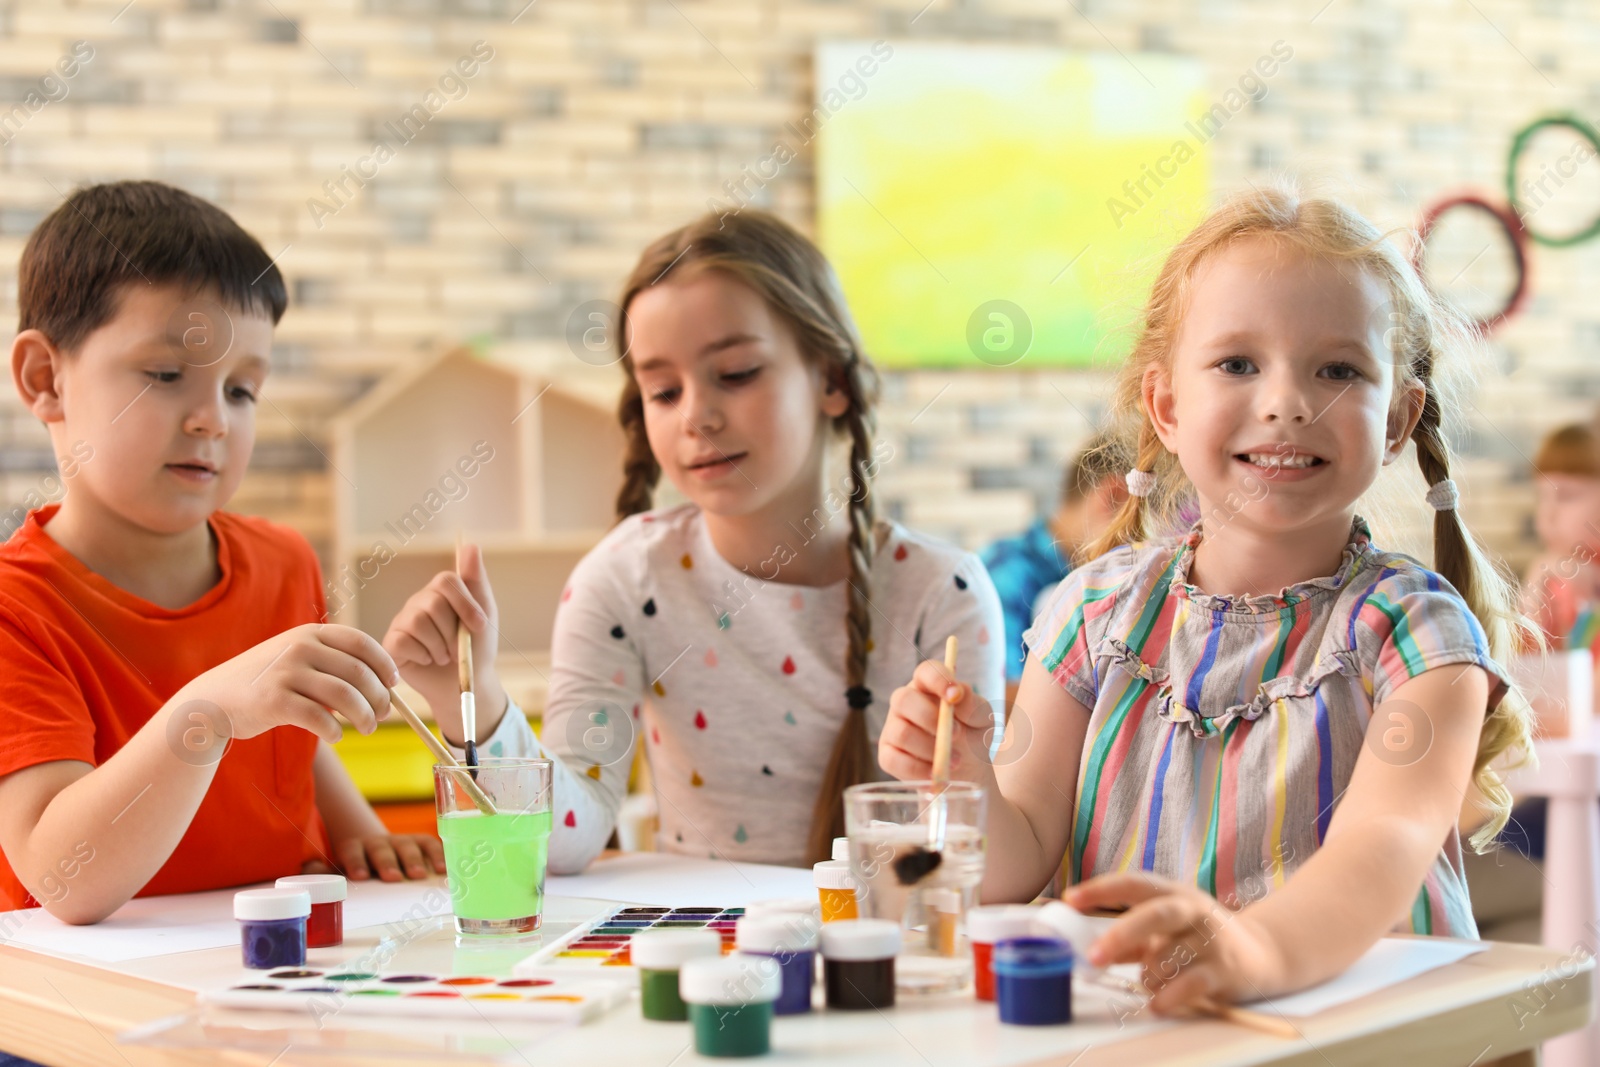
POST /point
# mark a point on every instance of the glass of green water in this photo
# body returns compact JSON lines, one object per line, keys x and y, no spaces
{"x":495,"y":862}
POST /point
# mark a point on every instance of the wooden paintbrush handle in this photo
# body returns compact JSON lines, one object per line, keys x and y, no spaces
{"x":1275,"y":1025}
{"x":440,"y":752}
{"x":941,"y":739}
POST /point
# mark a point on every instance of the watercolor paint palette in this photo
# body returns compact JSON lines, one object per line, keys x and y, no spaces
{"x":601,"y":949}
{"x":326,"y":992}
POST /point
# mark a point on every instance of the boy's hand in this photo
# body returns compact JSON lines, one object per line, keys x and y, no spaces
{"x":905,"y":748}
{"x":296,"y":679}
{"x":422,"y":640}
{"x":392,"y":856}
{"x":1197,"y":955}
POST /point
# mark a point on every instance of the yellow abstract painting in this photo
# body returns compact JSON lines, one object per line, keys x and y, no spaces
{"x":1002,"y":206}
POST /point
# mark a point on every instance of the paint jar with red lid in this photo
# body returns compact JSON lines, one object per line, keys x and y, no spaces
{"x":325,"y":927}
{"x":991,"y":924}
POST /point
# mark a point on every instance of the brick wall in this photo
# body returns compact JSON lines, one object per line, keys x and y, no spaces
{"x":599,"y":124}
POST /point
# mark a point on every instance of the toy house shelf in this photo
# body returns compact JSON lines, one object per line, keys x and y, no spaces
{"x":521,"y":465}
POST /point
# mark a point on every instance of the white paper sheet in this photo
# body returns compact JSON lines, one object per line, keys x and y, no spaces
{"x":156,"y":926}
{"x":673,"y":881}
{"x":1390,"y":962}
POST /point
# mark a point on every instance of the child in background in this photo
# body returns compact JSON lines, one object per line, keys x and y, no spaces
{"x":1562,"y":590}
{"x":165,"y":686}
{"x":1029,"y":564}
{"x":751,"y":636}
{"x":1268,"y":726}
{"x":1561,"y":594}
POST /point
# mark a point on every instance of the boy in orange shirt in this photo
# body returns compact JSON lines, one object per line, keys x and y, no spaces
{"x":167,"y":688}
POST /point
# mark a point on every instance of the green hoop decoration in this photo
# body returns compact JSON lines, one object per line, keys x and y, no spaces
{"x":1520,"y":145}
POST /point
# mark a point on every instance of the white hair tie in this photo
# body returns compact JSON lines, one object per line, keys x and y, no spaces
{"x":1443,"y":495}
{"x":1140,"y":482}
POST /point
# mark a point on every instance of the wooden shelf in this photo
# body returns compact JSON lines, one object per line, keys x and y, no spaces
{"x":519,"y":464}
{"x":581,"y":541}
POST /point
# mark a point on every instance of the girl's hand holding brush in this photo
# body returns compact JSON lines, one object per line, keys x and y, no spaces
{"x":906,"y":746}
{"x":423,"y":639}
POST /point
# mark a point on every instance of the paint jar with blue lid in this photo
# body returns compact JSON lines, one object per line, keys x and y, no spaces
{"x":272,"y":927}
{"x":789,"y":942}
{"x":1033,"y":980}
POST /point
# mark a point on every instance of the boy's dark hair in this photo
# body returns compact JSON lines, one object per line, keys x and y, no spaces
{"x":1095,"y":462}
{"x":106,"y":237}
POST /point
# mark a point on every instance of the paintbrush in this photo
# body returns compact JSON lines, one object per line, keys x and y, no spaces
{"x":441,"y":753}
{"x":469,"y":702}
{"x":920,"y":862}
{"x":947,"y":721}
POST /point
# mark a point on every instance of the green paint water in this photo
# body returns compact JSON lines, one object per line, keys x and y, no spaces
{"x":496,"y":863}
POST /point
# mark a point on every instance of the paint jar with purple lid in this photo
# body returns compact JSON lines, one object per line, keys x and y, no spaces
{"x":1033,"y":980}
{"x":789,"y":944}
{"x":272,"y":927}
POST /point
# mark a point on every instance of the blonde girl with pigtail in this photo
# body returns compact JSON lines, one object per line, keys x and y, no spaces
{"x":748,"y":638}
{"x":1258,"y":737}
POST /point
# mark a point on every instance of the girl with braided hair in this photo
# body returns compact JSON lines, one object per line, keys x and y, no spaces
{"x":1259,"y":737}
{"x":751,"y":635}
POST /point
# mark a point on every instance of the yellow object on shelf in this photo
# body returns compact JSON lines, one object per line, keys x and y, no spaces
{"x":390,"y":763}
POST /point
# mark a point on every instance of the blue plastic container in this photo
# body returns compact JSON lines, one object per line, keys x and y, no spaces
{"x":272,"y":926}
{"x":1033,"y":981}
{"x":788,"y":942}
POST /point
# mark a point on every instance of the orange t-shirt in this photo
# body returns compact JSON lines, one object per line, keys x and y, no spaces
{"x":85,"y":664}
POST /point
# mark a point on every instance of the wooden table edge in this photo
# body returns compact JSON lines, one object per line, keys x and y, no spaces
{"x":1403,"y":1031}
{"x":40,"y":1021}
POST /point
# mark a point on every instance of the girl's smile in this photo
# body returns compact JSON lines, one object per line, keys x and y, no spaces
{"x":1282,"y":462}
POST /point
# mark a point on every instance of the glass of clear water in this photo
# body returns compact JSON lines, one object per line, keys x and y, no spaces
{"x":916,"y":852}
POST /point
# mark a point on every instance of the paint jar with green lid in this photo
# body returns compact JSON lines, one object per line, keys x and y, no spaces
{"x":730,"y":1003}
{"x":659,"y":954}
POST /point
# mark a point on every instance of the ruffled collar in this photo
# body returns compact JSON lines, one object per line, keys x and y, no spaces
{"x":1356,"y":553}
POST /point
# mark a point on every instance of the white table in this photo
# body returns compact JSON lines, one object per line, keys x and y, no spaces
{"x":1561,"y":688}
{"x":1476,"y":1011}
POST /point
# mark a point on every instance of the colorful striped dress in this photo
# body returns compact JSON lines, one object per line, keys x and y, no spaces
{"x":1567,"y":610}
{"x":1224,"y":730}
